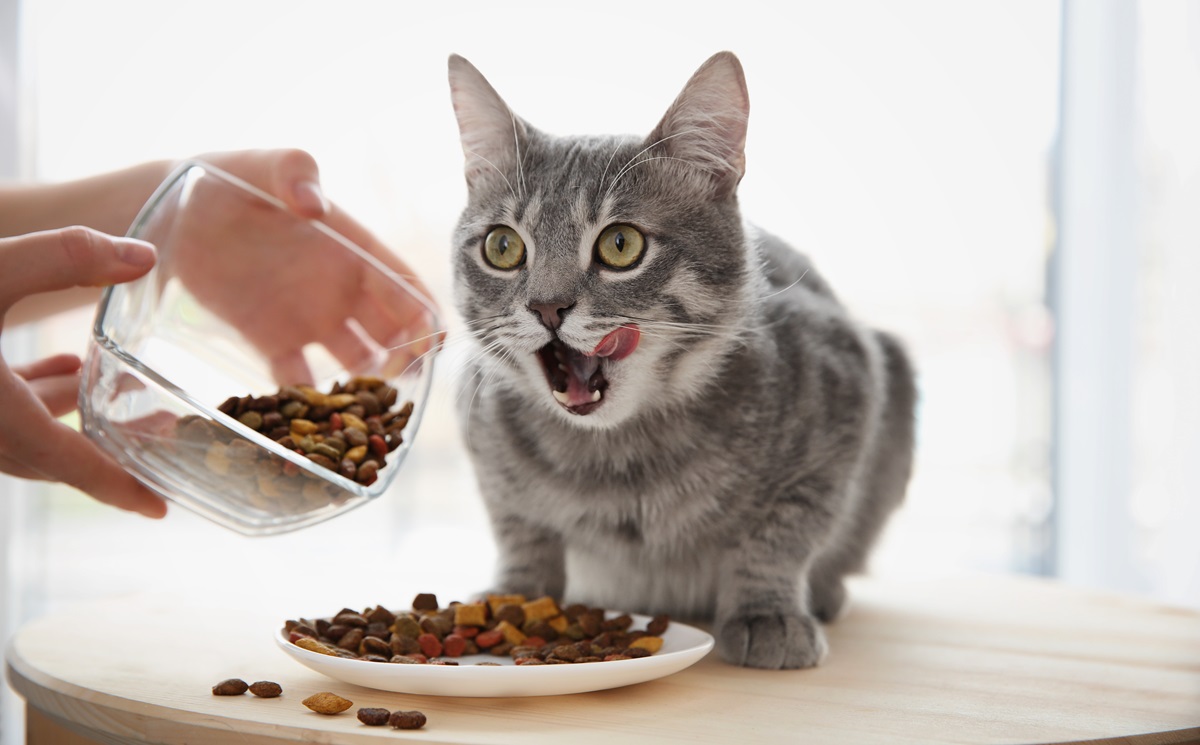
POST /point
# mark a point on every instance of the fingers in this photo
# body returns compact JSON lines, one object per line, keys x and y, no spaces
{"x":90,"y":470}
{"x":290,"y":368}
{"x":296,"y":180}
{"x":55,"y":382}
{"x":34,"y":445}
{"x":350,"y":346}
{"x":289,"y":174}
{"x":58,"y":393}
{"x":359,"y":235}
{"x":69,"y":257}
{"x":59,"y":364}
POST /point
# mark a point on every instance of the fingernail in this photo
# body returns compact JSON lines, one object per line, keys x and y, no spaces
{"x":310,"y":198}
{"x":135,"y":252}
{"x":156,"y":511}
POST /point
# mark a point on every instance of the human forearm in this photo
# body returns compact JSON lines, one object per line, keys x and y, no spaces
{"x":107,"y":202}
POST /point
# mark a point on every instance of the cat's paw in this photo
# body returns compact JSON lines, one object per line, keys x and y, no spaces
{"x":773,"y":641}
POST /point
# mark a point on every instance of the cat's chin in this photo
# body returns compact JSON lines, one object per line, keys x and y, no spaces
{"x":577,"y":379}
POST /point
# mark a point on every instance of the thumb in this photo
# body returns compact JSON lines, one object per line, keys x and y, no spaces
{"x":297,"y":181}
{"x":69,"y":257}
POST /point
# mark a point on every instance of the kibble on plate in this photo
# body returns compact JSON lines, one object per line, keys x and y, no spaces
{"x":532,"y":632}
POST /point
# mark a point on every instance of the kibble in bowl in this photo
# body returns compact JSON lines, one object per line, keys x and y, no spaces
{"x":267,"y":373}
{"x":504,"y":646}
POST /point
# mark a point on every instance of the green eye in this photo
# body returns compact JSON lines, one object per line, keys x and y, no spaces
{"x":620,"y":246}
{"x":504,"y":248}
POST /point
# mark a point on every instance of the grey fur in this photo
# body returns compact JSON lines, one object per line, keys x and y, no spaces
{"x":745,"y":457}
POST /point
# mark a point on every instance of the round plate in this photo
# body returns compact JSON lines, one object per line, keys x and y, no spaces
{"x":682,"y":647}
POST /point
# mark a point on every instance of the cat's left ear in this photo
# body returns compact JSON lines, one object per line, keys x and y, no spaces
{"x":492,"y":136}
{"x":706,"y":125}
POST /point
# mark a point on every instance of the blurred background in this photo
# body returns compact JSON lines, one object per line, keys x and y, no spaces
{"x":1011,"y":186}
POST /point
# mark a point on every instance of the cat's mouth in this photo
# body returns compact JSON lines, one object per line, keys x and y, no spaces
{"x":577,"y":378}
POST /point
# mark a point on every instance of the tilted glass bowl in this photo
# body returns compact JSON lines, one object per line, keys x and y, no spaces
{"x":248,"y":300}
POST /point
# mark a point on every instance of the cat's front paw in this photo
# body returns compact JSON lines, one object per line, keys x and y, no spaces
{"x":772,"y":641}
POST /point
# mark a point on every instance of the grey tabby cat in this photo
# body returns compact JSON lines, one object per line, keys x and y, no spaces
{"x":668,"y":410}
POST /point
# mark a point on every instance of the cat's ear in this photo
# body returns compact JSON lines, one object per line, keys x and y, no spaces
{"x":492,"y":136}
{"x":706,"y":125}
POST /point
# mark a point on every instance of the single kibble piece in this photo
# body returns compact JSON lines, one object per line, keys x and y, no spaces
{"x":540,"y":609}
{"x":327,"y":703}
{"x":658,"y":625}
{"x":313,"y":645}
{"x":407,"y":720}
{"x":474,"y":614}
{"x":496,"y":601}
{"x":266,"y":689}
{"x":425,"y":601}
{"x":374,"y":717}
{"x":650,"y":643}
{"x":511,"y":633}
{"x":231,"y":687}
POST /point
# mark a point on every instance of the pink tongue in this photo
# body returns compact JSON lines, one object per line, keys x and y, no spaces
{"x":619,"y":343}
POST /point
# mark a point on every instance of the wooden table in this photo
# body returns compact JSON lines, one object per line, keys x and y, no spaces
{"x":962,"y":660}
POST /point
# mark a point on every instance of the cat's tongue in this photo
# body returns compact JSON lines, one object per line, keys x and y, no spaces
{"x":619,"y":343}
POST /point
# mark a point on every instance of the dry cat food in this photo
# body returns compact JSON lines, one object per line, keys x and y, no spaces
{"x":327,"y":703}
{"x":407,"y":720}
{"x":349,"y":430}
{"x":531,"y":632}
{"x":266,"y":689}
{"x":237,"y":686}
{"x":231,"y":687}
{"x":373,"y":717}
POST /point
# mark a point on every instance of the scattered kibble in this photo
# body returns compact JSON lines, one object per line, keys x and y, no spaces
{"x":266,"y":689}
{"x":231,"y":687}
{"x":327,"y":703}
{"x":407,"y":720}
{"x":374,"y":717}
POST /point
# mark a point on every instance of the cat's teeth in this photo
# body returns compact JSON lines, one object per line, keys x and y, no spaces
{"x":561,"y":397}
{"x":596,"y":395}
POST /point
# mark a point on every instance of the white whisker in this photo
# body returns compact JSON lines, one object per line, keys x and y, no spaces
{"x":520,"y":158}
{"x":640,"y":153}
{"x":643,"y":161}
{"x":785,"y":289}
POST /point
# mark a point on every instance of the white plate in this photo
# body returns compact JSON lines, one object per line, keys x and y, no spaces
{"x":682,"y":647}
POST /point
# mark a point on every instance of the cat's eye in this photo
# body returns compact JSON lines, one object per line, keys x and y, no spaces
{"x":504,"y":248}
{"x":620,"y":246}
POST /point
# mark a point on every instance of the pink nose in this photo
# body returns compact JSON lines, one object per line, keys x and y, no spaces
{"x":618,"y":343}
{"x":552,"y":312}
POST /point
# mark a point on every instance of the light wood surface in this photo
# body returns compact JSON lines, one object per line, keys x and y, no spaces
{"x":954,"y":660}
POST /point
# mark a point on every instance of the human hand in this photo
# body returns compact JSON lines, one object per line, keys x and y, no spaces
{"x":309,"y":290}
{"x":33,"y":443}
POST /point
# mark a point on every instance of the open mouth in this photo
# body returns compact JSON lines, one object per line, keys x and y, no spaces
{"x":577,"y":378}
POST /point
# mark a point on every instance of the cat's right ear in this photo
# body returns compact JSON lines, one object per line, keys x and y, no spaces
{"x":492,"y":135}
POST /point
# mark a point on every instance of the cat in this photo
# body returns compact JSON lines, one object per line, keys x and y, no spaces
{"x":667,"y":409}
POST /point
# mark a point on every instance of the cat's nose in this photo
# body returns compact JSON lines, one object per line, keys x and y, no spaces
{"x":551,"y":313}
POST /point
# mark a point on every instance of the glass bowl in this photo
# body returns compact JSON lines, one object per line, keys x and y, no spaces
{"x":267,"y":373}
